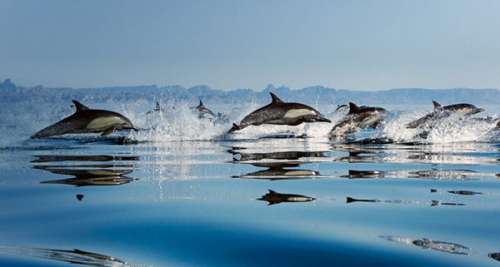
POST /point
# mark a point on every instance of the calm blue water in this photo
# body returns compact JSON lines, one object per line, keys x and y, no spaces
{"x":208,"y":203}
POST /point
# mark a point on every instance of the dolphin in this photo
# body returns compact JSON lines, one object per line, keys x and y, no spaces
{"x":156,"y":109}
{"x":440,"y":112}
{"x":204,"y":112}
{"x":359,"y":117}
{"x":86,"y":120}
{"x":273,"y":197}
{"x":279,"y":112}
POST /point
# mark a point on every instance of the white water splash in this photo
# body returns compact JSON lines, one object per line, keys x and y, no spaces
{"x":452,"y":129}
{"x":177,"y":122}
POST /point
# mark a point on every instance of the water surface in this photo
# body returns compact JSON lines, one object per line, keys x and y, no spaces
{"x":300,"y":201}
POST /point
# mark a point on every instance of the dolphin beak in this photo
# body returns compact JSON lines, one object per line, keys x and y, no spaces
{"x":475,"y":111}
{"x":234,"y":128}
{"x":323,"y":119}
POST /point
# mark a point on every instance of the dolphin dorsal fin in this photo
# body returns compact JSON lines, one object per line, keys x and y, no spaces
{"x":436,"y":105}
{"x":201,"y":104}
{"x":353,"y":108}
{"x":79,"y":106}
{"x":275,"y":99}
{"x":271,"y":191}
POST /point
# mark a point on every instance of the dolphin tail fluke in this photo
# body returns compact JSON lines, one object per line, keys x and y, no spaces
{"x":234,"y":128}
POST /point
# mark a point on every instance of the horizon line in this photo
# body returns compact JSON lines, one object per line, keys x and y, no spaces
{"x":241,"y":88}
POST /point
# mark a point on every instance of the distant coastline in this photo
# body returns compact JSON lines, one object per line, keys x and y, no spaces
{"x":313,"y":94}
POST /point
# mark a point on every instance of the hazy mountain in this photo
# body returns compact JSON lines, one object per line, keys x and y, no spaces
{"x":312,"y":95}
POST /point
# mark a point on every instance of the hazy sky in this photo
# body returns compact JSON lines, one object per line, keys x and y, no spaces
{"x":249,"y":44}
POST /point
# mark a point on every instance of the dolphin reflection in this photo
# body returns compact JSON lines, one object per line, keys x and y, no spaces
{"x":75,"y":256}
{"x":280,"y":155}
{"x":495,"y":256}
{"x":86,"y":177}
{"x":425,"y":243}
{"x":112,"y":173}
{"x":273,"y":197}
{"x":362,"y":174}
{"x":99,"y":158}
{"x":278,"y":171}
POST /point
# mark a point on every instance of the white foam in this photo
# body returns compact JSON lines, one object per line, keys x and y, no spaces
{"x":21,"y":118}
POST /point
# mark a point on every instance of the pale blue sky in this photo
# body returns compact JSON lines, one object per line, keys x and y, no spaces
{"x":248,"y":44}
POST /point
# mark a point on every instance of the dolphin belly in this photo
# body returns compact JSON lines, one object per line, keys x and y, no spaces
{"x":370,"y":122}
{"x":103,"y":123}
{"x":343,"y":127}
{"x":298,"y":113}
{"x":301,"y":173}
{"x":299,"y":199}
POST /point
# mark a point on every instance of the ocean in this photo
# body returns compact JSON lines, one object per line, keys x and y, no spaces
{"x":180,"y":192}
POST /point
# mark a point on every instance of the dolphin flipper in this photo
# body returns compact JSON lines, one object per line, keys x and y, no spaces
{"x":108,"y":131}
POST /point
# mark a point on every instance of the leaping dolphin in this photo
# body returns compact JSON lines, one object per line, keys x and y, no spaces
{"x":86,"y":120}
{"x":359,"y":117}
{"x":157,"y":109}
{"x":279,"y":112}
{"x":204,"y":112}
{"x":440,"y":112}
